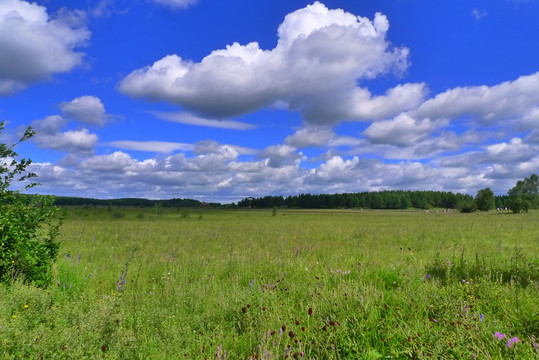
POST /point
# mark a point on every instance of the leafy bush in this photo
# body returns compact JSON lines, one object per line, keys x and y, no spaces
{"x":466,"y":206}
{"x":28,"y":228}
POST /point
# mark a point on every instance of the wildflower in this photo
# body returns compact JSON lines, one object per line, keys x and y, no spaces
{"x":512,"y":341}
{"x":26,"y":306}
{"x":499,"y":335}
{"x":428,"y":276}
{"x":310,"y":312}
{"x":481,"y":316}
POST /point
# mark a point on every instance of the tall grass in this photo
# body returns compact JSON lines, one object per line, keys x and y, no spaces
{"x":300,"y":284}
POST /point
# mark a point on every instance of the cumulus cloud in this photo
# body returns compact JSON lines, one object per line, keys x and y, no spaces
{"x":85,"y":109}
{"x":280,"y":155}
{"x":50,"y":134}
{"x":214,"y":172}
{"x":506,"y":101}
{"x":310,"y":136}
{"x":117,"y":161}
{"x":401,"y":131}
{"x":338,"y":170}
{"x":320,"y":56}
{"x":73,"y":141}
{"x":34,"y":46}
{"x":319,"y":136}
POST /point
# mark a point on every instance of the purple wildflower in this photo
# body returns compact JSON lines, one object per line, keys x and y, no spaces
{"x":499,"y":335}
{"x":512,"y":341}
{"x":481,"y":316}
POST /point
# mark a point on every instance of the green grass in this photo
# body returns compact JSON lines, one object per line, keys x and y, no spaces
{"x":224,"y":284}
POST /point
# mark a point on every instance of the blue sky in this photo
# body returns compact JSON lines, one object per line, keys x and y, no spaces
{"x":221,"y":100}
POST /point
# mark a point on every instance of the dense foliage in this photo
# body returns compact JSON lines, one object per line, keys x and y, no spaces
{"x":525,"y":194}
{"x":485,"y":200}
{"x":28,"y":231}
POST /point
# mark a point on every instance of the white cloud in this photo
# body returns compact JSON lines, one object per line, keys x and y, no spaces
{"x":401,"y":131}
{"x":506,"y":101}
{"x":49,"y":125}
{"x":319,"y":136}
{"x":280,"y":155}
{"x":310,"y":136}
{"x":314,"y":69}
{"x":85,"y":109}
{"x":190,"y":119}
{"x":34,"y":46}
{"x":214,"y":172}
{"x":150,"y":146}
{"x":73,"y":141}
{"x":337,"y":170}
{"x":176,"y":4}
{"x":49,"y":133}
{"x":116,"y":162}
{"x":530,"y":119}
{"x":510,"y":153}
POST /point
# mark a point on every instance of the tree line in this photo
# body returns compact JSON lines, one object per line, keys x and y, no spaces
{"x":133,"y":202}
{"x":522,"y":197}
{"x":369,"y":200}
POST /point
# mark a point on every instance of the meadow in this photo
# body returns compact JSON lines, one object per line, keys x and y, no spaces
{"x":254,"y":284}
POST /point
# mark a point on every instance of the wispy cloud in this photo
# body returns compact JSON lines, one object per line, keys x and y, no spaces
{"x":478,"y":14}
{"x":164,"y":147}
{"x":176,"y":4}
{"x":189,"y":119}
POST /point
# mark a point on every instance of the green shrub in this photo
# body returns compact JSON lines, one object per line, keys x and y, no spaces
{"x":28,"y":227}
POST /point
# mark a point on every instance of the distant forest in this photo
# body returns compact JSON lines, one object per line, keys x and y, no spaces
{"x":370,"y":200}
{"x":365,"y":200}
{"x":133,"y":202}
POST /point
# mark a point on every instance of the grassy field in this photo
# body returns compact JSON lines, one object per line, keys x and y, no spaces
{"x":245,"y":284}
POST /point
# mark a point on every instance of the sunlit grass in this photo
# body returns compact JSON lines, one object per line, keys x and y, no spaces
{"x":301,"y":284}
